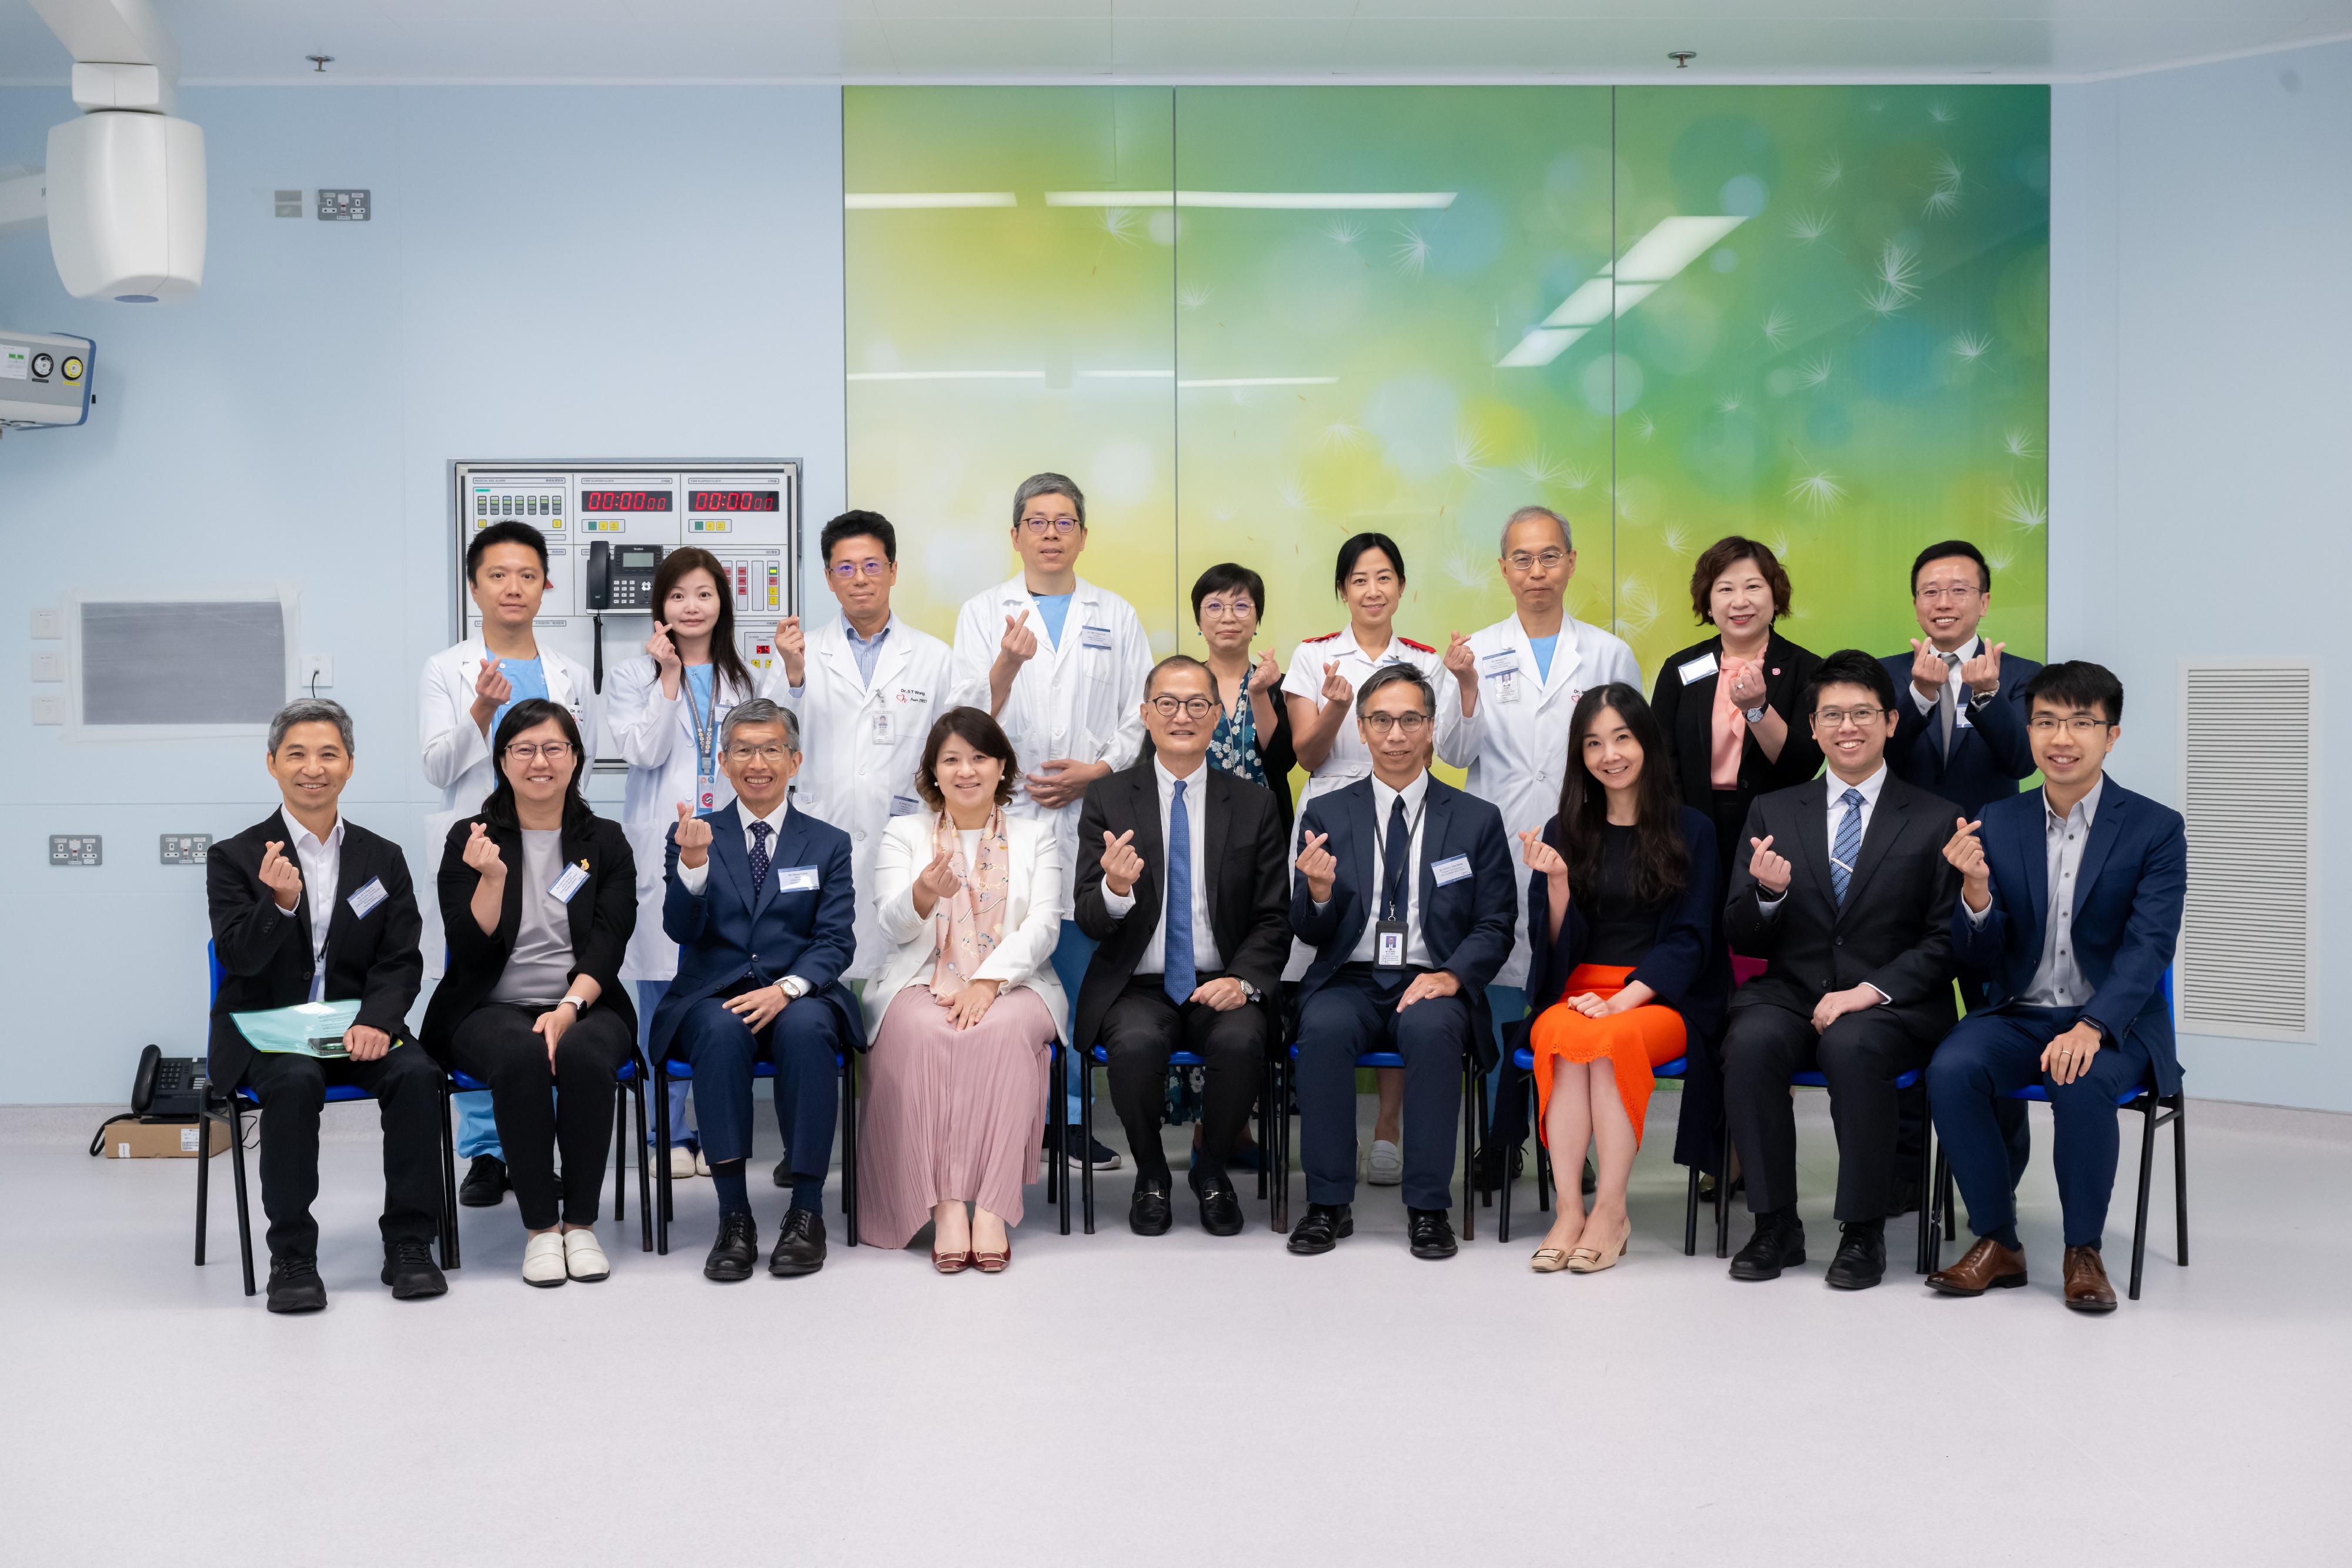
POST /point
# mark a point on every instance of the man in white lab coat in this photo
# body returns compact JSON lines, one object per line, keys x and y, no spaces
{"x":1061,"y":663}
{"x":465,"y":691}
{"x":1533,"y":666}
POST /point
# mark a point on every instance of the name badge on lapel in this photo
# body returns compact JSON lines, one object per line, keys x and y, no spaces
{"x":574,"y":879}
{"x":1695,"y":670}
{"x":367,"y":898}
{"x":1451,"y":869}
{"x":796,"y":879}
{"x":905,"y":805}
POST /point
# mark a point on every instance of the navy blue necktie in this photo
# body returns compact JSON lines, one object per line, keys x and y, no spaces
{"x":759,"y":832}
{"x":1396,"y":863}
{"x":1178,"y":974}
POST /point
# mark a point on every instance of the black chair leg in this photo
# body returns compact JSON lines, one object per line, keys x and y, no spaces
{"x":1470,"y":1147}
{"x":849,"y":1144}
{"x":620,"y":1155}
{"x":1058,"y":1118}
{"x":1264,"y":1147}
{"x":1085,"y":1058}
{"x":244,"y":1215}
{"x":2180,"y":1178}
{"x":1690,"y":1217}
{"x":1543,"y":1155}
{"x":203,"y":1169}
{"x":1927,"y":1251}
{"x":1723,"y":1195}
{"x":1503,"y":1218}
{"x":1486,"y":1127}
{"x":449,"y":1247}
{"x":645,"y":1176}
{"x":658,"y":1157}
{"x":2147,"y":1170}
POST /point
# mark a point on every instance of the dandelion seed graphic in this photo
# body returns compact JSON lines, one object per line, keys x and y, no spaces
{"x":1777,"y":544}
{"x":1341,"y":437}
{"x":1637,"y":606}
{"x":1883,"y":300}
{"x":2001,"y":558}
{"x":1677,"y":541}
{"x":1121,"y":223}
{"x":1829,"y":171}
{"x":1645,"y":426}
{"x":1411,"y":251}
{"x":1942,"y":113}
{"x":1814,"y":371}
{"x":1471,"y":452}
{"x":2019,"y":443}
{"x":1540,"y":469}
{"x":1293,"y":494}
{"x":1943,"y":199}
{"x":2024,"y":507}
{"x":1344,"y":231}
{"x":1970,"y":347}
{"x":1898,"y":267}
{"x":1463,"y":569}
{"x":1778,"y":326}
{"x":1809,"y":227}
{"x":1575,"y":478}
{"x":1817,"y":493}
{"x":1193,"y":296}
{"x":1728,"y":404}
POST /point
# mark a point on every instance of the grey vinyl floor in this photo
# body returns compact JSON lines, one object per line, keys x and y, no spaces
{"x":1181,"y":1400}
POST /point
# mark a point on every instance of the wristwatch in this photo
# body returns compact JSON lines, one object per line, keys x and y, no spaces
{"x":1754,"y":715}
{"x":1252,"y":992}
{"x":577,"y":1004}
{"x":793,"y":987}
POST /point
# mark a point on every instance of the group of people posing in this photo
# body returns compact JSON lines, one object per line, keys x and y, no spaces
{"x":933,"y":864}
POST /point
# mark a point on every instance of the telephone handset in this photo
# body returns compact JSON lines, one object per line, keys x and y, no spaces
{"x":165,"y":1086}
{"x":623,"y":584}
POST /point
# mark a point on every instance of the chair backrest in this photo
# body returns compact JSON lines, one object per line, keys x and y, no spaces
{"x":212,"y":962}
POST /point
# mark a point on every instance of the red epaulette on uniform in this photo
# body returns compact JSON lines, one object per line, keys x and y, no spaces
{"x":1411,"y":644}
{"x":1324,"y":638}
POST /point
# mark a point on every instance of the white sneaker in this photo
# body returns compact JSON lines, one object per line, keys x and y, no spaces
{"x":1386,"y":1167}
{"x":702,"y":1165}
{"x":584,"y":1259}
{"x":681,"y":1163}
{"x":542,"y":1260}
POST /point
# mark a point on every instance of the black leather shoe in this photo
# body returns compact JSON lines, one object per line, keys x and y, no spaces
{"x":785,"y":1171}
{"x":1322,"y":1227}
{"x":1221,"y":1208}
{"x":408,"y":1268}
{"x":1777,"y":1244}
{"x":1146,"y":1212}
{"x":737,"y":1248}
{"x":1861,"y":1260}
{"x":295,"y":1286}
{"x":1430,"y":1233}
{"x":486,"y":1183}
{"x":1902,"y":1199}
{"x":799,"y":1246}
{"x":1486,"y":1166}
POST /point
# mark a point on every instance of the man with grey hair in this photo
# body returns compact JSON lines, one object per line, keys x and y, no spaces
{"x":309,"y":907}
{"x":1533,"y":666}
{"x":1060,"y":663}
{"x":763,"y":906}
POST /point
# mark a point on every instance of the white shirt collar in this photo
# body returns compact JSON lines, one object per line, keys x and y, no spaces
{"x":298,"y":835}
{"x":1412,"y":794}
{"x":1869,"y":787}
{"x":775,"y":819}
{"x":1167,"y":781}
{"x":2088,"y":805}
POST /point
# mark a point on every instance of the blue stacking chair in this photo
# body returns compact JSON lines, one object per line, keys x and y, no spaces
{"x":1525,"y":1061}
{"x":1097,"y":1056}
{"x":675,"y":1068}
{"x":1474,"y":1128}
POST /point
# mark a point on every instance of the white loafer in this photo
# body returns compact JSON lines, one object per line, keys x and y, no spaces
{"x":681,"y":1163}
{"x":702,"y":1165}
{"x":584,"y":1259}
{"x":1386,"y":1167}
{"x":542,"y":1260}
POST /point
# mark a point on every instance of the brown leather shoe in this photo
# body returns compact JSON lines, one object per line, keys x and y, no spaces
{"x":1989,"y":1266}
{"x":2087,"y":1290}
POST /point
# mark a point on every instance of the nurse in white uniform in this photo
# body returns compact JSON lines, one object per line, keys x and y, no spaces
{"x":1320,"y":692}
{"x":663,"y":712}
{"x":1060,"y":664}
{"x":464,"y":691}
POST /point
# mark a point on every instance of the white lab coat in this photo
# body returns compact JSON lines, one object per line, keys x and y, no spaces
{"x":1035,"y":905}
{"x":655,"y":735}
{"x":458,"y":755}
{"x":1082,"y":699}
{"x":1518,"y":737}
{"x":861,"y":744}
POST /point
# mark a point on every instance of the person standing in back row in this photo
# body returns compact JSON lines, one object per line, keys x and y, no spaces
{"x":1060,"y":664}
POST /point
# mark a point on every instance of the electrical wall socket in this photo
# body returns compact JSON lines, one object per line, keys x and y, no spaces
{"x":49,"y":707}
{"x":49,"y":666}
{"x":318,"y":670}
{"x":76,"y":849}
{"x":186,"y":849}
{"x":49,"y":624}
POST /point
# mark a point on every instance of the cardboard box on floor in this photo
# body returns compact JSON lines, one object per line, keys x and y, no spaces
{"x":161,"y":1140}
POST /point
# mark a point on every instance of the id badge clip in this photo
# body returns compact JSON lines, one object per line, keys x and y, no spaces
{"x":1387,"y":945}
{"x":706,"y":794}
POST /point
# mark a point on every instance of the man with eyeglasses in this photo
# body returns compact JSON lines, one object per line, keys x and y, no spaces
{"x":1406,"y":892}
{"x":1533,"y":666}
{"x":1180,"y":880}
{"x":1845,"y":891}
{"x":763,"y":905}
{"x":2070,"y":899}
{"x":1059,"y":662}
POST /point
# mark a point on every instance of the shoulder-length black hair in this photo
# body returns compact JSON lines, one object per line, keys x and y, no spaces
{"x":724,"y":658}
{"x":1661,"y":860}
{"x":498,"y":805}
{"x":976,"y":729}
{"x":1353,"y":551}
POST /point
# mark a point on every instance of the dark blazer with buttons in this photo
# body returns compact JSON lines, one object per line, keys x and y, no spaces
{"x":1990,"y":754}
{"x":1686,"y":714}
{"x":1242,"y":856}
{"x":733,"y":932}
{"x":1895,"y":929}
{"x":602,"y":914}
{"x":1467,"y":924}
{"x":2127,"y":921}
{"x":264,"y":952}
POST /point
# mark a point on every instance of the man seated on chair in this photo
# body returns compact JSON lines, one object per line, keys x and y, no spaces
{"x":762,"y":941}
{"x":1181,"y":880}
{"x":307,"y":906}
{"x":2070,"y":898}
{"x":1406,"y":892}
{"x":1844,"y":890}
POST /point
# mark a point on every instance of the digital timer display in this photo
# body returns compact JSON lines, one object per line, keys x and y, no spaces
{"x":732,"y":500}
{"x":625,"y":500}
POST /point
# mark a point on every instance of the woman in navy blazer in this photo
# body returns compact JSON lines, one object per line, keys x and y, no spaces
{"x":1627,"y":968}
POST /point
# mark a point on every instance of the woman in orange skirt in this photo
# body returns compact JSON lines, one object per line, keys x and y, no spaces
{"x":1625,"y":965}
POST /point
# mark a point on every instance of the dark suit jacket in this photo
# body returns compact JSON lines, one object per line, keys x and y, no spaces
{"x":1686,"y":714}
{"x":1895,"y":929}
{"x":603,"y":913}
{"x":731,"y":932}
{"x":266,"y":954}
{"x":1467,"y":924}
{"x":1989,"y":754}
{"x":1686,"y":967}
{"x":2126,"y":917}
{"x":1242,"y":857}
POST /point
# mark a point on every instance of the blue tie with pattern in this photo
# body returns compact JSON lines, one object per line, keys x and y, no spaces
{"x":1176,"y":946}
{"x":759,"y":832}
{"x":1848,"y":848}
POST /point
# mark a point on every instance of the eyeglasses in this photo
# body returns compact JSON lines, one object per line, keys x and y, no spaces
{"x":1839,"y":717}
{"x":1404,"y":723}
{"x":2081,"y":726}
{"x":1041,"y":527}
{"x":1192,"y":708}
{"x":1549,"y":559}
{"x":553,"y":750}
{"x":1219,"y":608}
{"x":872,"y":567}
{"x":1947,"y":595}
{"x":769,"y":753}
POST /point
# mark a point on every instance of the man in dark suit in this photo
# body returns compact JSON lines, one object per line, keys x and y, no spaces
{"x":1181,"y":880}
{"x":307,"y":906}
{"x":1406,"y":892}
{"x":1961,"y":734}
{"x":2070,"y":898}
{"x":763,"y":939}
{"x":1845,"y":891}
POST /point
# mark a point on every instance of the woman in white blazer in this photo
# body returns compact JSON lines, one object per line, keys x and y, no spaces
{"x":664,"y":712}
{"x":964,"y":1008}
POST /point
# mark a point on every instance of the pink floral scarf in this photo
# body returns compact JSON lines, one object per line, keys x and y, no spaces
{"x":971,"y":922}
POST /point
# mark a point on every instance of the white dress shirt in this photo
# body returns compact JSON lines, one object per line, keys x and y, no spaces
{"x":1415,"y":797}
{"x":322,"y":869}
{"x":1964,"y":652}
{"x":1205,"y":957}
{"x":693,"y":877}
{"x":2058,"y":979}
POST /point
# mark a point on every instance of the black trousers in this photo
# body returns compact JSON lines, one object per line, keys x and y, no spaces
{"x":495,"y":1043}
{"x":1141,"y":1029}
{"x":1860,"y":1055}
{"x":292,"y":1089}
{"x":1355,"y":1011}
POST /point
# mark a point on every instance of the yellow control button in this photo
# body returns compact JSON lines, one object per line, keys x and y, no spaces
{"x":73,"y":367}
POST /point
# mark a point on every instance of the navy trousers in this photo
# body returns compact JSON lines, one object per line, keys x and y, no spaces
{"x":1991,"y":1054}
{"x":804,"y":1041}
{"x":1355,"y":1011}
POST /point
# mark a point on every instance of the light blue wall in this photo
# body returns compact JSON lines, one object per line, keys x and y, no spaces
{"x":551,"y":272}
{"x":2201,"y":398}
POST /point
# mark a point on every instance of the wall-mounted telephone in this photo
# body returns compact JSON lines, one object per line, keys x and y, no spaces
{"x":165,"y":1085}
{"x":621,"y":575}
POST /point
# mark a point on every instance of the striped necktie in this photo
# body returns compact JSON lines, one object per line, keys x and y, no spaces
{"x":1848,"y":848}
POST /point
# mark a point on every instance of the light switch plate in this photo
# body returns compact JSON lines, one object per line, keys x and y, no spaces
{"x":186,"y":849}
{"x":76,"y":849}
{"x":48,"y":665}
{"x":49,"y":624}
{"x":49,"y":707}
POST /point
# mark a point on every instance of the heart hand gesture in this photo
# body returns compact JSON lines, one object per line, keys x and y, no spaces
{"x":1120,"y":863}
